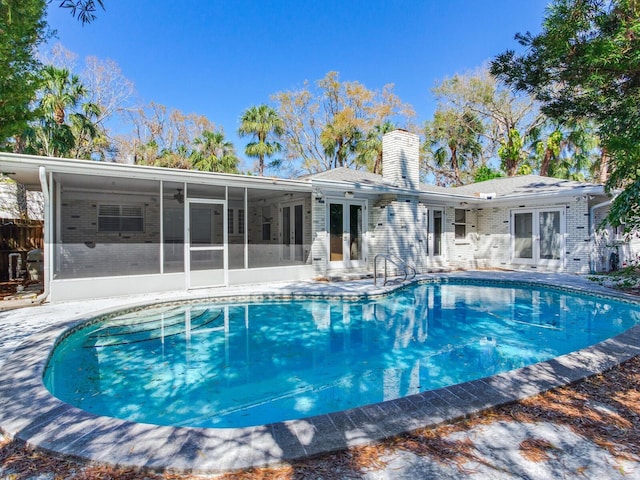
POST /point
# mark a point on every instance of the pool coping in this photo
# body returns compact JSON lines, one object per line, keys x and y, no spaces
{"x":32,"y":415}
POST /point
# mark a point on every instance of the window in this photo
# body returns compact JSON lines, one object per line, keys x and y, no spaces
{"x":120,"y":218}
{"x":460,"y":224}
{"x":235,"y":221}
{"x":266,"y":224}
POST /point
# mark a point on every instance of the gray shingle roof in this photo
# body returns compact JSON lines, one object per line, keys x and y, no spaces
{"x":500,"y":187}
{"x":522,"y":185}
{"x":344,"y":174}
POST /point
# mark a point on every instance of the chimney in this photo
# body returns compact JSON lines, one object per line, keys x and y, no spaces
{"x":401,"y":159}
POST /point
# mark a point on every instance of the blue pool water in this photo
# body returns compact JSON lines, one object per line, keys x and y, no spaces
{"x":234,"y":365}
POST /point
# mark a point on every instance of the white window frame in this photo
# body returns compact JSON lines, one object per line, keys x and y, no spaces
{"x":456,"y":223}
{"x":536,"y":259}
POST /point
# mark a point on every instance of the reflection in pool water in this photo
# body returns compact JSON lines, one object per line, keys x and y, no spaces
{"x":233,"y":365}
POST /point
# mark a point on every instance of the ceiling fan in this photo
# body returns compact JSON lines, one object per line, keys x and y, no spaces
{"x":179,"y":197}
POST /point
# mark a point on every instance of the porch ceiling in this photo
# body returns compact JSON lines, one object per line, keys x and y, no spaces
{"x":23,"y":174}
{"x":97,"y":183}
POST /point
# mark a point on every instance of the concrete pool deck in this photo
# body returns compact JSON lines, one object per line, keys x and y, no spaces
{"x":30,"y":414}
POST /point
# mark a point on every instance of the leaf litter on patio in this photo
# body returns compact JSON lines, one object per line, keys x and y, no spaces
{"x":604,"y":409}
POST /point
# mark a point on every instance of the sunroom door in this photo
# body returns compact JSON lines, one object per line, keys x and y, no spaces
{"x":206,"y":255}
{"x":538,"y":236}
{"x":347,"y":227}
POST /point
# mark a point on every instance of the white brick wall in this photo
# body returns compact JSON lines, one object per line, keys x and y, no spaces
{"x":9,"y":205}
{"x":462,"y":253}
{"x":492,"y":246}
{"x":85,"y":252}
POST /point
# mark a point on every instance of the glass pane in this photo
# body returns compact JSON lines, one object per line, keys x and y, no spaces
{"x":241,"y":221}
{"x":286,"y":233}
{"x":298,"y":237}
{"x":336,"y":229}
{"x":437,"y":232}
{"x":523,"y":233}
{"x":550,"y":235}
{"x":132,"y":224}
{"x":266,"y":231}
{"x":230,"y":220}
{"x":425,"y":232}
{"x":355,"y":232}
{"x":266,"y":224}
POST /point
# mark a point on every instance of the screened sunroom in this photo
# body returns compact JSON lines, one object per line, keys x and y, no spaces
{"x":162,"y":229}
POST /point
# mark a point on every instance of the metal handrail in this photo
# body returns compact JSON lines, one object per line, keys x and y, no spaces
{"x":395,"y":260}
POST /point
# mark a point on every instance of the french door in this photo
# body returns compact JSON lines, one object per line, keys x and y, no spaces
{"x":538,"y":236}
{"x":430,"y":233}
{"x":206,"y":246}
{"x":292,"y":232}
{"x":347,"y":227}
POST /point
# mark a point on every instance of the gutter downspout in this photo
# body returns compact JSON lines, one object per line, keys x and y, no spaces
{"x":42,"y":175}
{"x":592,"y":211}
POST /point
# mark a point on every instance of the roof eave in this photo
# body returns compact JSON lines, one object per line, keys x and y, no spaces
{"x":79,"y":167}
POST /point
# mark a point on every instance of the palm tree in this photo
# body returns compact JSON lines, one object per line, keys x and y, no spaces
{"x":65,"y":126}
{"x":452,"y":139}
{"x":370,"y":148}
{"x":214,"y":154}
{"x":90,"y":138}
{"x":61,"y":91}
{"x":266,"y":126}
{"x":565,"y":151}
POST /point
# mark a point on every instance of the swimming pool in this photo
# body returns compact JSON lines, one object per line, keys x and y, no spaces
{"x":254,"y":363}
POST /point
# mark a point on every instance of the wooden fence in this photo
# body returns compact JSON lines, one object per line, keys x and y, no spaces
{"x":18,"y":236}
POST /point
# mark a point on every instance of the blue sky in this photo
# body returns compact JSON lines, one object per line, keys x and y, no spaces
{"x":217,"y":58}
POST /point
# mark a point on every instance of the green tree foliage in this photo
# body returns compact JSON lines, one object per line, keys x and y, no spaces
{"x":214,"y":153}
{"x":265,"y":126}
{"x":452,"y":144}
{"x":369,"y":149}
{"x":83,"y":10}
{"x":507,"y":118}
{"x":585,"y":65}
{"x":484,"y":172}
{"x":324,"y":126}
{"x":165,"y":137}
{"x":65,"y":121}
{"x":567,"y":150}
{"x":22,"y":30}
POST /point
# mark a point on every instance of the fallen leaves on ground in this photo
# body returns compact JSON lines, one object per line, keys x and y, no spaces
{"x":604,"y":409}
{"x":536,"y":449}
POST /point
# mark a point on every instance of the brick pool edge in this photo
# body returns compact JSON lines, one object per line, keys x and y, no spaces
{"x":30,"y":414}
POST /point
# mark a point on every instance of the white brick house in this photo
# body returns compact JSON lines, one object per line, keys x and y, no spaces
{"x":526,"y":222}
{"x":112,"y":229}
